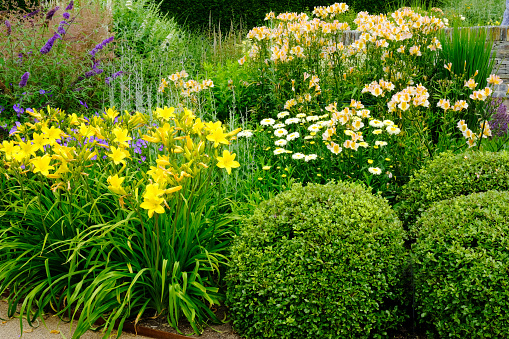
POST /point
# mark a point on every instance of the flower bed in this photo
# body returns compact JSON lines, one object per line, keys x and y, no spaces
{"x":125,"y":215}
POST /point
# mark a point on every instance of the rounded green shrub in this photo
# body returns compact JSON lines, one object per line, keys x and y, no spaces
{"x":450,"y":175}
{"x":321,"y":261}
{"x":461,"y":266}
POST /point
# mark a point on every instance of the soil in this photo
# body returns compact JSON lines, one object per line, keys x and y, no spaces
{"x":212,"y":331}
{"x":225,"y":330}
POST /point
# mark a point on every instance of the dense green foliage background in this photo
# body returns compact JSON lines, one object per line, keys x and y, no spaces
{"x":250,"y":13}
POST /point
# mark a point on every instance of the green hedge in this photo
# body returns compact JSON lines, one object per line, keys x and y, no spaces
{"x":252,"y":12}
{"x":450,"y":175}
{"x":321,"y":261}
{"x":461,"y":266}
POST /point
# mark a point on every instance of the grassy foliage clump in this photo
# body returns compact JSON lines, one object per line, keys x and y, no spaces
{"x":318,"y":261}
{"x":461,"y":266}
{"x":450,"y":175}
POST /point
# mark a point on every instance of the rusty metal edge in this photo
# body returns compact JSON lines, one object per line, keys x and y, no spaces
{"x":150,"y":332}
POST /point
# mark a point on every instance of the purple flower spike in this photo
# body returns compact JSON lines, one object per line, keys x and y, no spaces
{"x":9,"y":28}
{"x":70,"y":6}
{"x":113,"y":77}
{"x":61,"y":30}
{"x":66,"y":16}
{"x":100,"y":46}
{"x":49,"y":44}
{"x":84,"y":104}
{"x":52,"y":12}
{"x":24,"y":79}
{"x":31,"y":14}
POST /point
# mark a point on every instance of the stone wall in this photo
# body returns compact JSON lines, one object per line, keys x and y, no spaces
{"x":500,"y":36}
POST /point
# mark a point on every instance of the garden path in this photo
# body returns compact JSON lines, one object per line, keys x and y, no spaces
{"x":54,"y":329}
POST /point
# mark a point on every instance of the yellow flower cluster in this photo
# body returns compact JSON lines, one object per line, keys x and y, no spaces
{"x":187,"y":88}
{"x":296,"y":35}
{"x":403,"y":100}
{"x":351,"y":118}
{"x":402,"y":24}
{"x":471,"y":137}
{"x":378,"y":88}
{"x":458,"y":106}
{"x":63,"y":147}
{"x":330,"y":11}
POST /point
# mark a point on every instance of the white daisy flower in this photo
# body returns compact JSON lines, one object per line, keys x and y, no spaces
{"x":280,"y":132}
{"x":292,"y":136}
{"x":393,"y":130}
{"x":375,"y":170}
{"x":326,"y":123}
{"x":314,"y":128}
{"x":283,"y":114}
{"x":245,"y":133}
{"x":310,"y":157}
{"x":313,"y":118}
{"x":292,"y":121}
{"x":381,"y":143}
{"x":276,"y":126}
{"x":281,"y":142}
{"x":301,"y":115}
{"x":298,"y":156}
{"x":376,"y":123}
{"x":278,"y":151}
{"x":267,"y":122}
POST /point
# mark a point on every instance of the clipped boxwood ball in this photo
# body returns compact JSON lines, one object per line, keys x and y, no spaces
{"x":450,"y":175}
{"x":321,"y":261}
{"x":461,"y":266}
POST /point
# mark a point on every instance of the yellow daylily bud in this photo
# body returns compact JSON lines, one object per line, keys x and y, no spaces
{"x":153,"y":139}
{"x":177,"y":149}
{"x":173,"y":189}
{"x":189,"y":143}
{"x":234,"y":132}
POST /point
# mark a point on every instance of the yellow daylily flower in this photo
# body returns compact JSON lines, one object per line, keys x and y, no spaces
{"x":158,"y":174}
{"x":27,"y":149}
{"x":41,"y":164}
{"x":165,"y":113}
{"x":61,"y":170}
{"x":198,"y":126}
{"x":52,"y":134}
{"x":118,"y":155}
{"x":9,"y":148}
{"x":121,"y":136}
{"x":152,"y":205}
{"x":112,"y":113}
{"x":162,"y":160}
{"x":85,"y":130}
{"x":218,"y":137}
{"x":74,"y":120}
{"x":211,"y":126}
{"x":39,"y":141}
{"x":152,"y":191}
{"x":227,"y":161}
{"x":116,"y":184}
